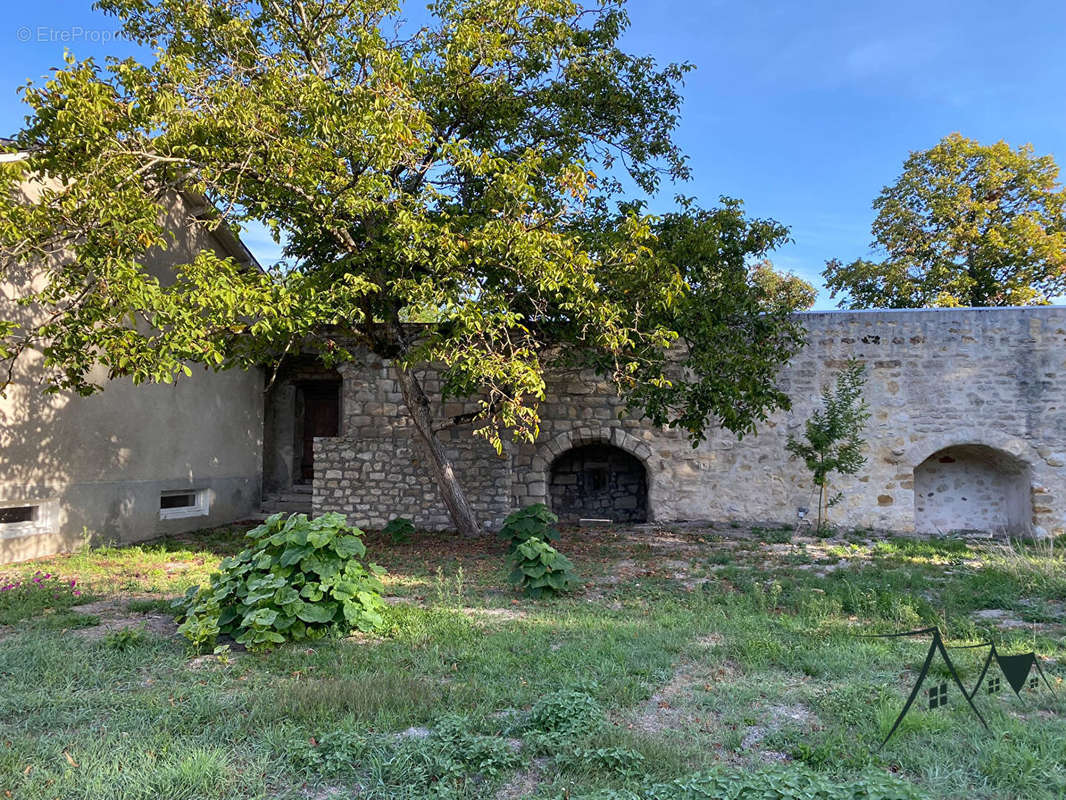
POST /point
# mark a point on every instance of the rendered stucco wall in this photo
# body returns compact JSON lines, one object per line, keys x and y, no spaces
{"x":938,"y":378}
{"x":95,"y":466}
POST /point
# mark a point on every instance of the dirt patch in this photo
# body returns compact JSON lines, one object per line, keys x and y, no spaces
{"x":414,"y":733}
{"x":774,"y":756}
{"x":524,"y":783}
{"x":212,"y":661}
{"x":505,"y":614}
{"x":774,"y":718}
{"x":795,"y":713}
{"x":485,"y":613}
{"x":663,"y":711}
{"x":115,"y":616}
{"x":672,"y":707}
{"x":663,"y":542}
{"x":1039,"y":713}
{"x":711,"y":640}
{"x":1001,"y":618}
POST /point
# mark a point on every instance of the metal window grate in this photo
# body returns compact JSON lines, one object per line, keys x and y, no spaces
{"x":597,"y":479}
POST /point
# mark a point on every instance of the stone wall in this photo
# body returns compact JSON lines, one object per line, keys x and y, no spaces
{"x":376,"y":470}
{"x":937,"y":379}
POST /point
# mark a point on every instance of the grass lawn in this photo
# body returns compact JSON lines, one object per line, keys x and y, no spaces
{"x":692,"y":663}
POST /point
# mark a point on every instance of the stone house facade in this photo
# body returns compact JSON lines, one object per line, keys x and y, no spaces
{"x":968,"y":432}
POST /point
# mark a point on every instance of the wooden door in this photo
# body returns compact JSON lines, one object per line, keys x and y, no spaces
{"x":321,"y":408}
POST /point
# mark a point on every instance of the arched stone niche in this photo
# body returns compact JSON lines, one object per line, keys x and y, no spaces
{"x":598,"y":481}
{"x":634,"y":454}
{"x":973,"y":487}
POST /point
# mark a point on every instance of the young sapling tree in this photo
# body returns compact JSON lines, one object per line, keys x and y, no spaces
{"x":833,"y":435}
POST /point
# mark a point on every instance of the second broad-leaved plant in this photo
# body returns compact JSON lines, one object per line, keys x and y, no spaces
{"x":540,"y":570}
{"x":533,"y":521}
{"x":399,"y":530}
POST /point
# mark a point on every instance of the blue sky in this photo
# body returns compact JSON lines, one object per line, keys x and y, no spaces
{"x":803,"y":109}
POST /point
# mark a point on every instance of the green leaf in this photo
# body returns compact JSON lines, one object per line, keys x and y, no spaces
{"x":316,"y":613}
{"x":557,"y":580}
{"x":284,"y":623}
{"x":286,"y":595}
{"x":259,"y":618}
{"x":344,"y":589}
{"x":293,"y":554}
{"x":349,"y":547}
{"x":325,"y":567}
{"x":320,"y":538}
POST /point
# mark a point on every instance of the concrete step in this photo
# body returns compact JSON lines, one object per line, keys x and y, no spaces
{"x":287,"y":503}
{"x":288,"y":497}
{"x":274,"y":506}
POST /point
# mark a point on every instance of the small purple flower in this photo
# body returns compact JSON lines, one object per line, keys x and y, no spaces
{"x":77,"y":594}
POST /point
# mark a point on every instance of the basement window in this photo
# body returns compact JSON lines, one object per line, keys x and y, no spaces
{"x":16,"y":514}
{"x":183,"y":503}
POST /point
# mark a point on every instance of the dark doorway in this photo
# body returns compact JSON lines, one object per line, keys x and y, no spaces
{"x":599,"y":481}
{"x":318,"y":404}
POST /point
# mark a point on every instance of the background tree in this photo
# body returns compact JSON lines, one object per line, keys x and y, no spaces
{"x":782,"y":289}
{"x":465,"y":173}
{"x":732,"y":341}
{"x":966,"y":224}
{"x":832,"y":440}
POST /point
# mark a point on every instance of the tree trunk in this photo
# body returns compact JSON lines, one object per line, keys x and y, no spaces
{"x":821,"y":508}
{"x":441,"y":466}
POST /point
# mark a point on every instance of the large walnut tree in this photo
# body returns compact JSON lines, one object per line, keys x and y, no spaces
{"x":465,"y":171}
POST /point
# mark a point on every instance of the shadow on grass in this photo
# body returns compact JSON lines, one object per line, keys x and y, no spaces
{"x":227,"y":540}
